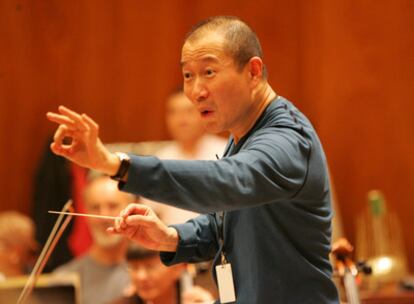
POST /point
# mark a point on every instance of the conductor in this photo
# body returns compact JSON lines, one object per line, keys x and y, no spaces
{"x":266,"y":203}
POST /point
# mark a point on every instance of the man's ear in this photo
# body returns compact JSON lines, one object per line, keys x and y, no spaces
{"x":255,"y":65}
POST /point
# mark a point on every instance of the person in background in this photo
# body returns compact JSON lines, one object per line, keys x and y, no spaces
{"x":189,"y":142}
{"x":17,"y":244}
{"x":155,"y":283}
{"x":102,"y":270}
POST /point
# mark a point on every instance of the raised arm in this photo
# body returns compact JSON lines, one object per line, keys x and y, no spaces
{"x":272,"y":167}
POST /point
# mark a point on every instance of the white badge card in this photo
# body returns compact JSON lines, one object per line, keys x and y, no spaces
{"x":225,"y":283}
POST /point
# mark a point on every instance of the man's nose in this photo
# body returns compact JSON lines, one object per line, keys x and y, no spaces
{"x":200,"y":92}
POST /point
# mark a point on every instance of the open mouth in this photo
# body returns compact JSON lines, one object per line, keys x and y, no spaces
{"x":206,"y":113}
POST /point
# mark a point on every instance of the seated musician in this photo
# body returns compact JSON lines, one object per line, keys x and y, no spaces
{"x":102,"y":270}
{"x":17,"y":244}
{"x":155,"y":283}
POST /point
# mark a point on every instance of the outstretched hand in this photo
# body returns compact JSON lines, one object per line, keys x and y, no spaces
{"x":140,"y":224}
{"x":85,"y":148}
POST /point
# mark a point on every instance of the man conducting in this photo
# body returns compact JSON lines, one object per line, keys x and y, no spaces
{"x":266,"y":202}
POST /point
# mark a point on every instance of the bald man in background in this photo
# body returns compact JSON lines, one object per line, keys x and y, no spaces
{"x":103,"y":269}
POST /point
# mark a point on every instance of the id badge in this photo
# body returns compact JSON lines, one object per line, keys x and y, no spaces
{"x":225,"y":283}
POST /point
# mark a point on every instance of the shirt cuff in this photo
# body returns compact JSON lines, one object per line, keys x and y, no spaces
{"x":187,"y":245}
{"x":140,"y":166}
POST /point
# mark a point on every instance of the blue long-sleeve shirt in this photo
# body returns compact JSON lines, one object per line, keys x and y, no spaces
{"x":274,"y":188}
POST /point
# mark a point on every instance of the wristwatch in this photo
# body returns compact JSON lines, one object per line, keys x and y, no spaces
{"x":123,"y":168}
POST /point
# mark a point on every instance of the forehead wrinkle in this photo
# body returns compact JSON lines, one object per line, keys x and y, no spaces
{"x":204,"y":59}
{"x":208,"y":48}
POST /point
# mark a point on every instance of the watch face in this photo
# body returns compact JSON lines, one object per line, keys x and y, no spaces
{"x":122,"y":156}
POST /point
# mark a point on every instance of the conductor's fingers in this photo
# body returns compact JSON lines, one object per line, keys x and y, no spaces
{"x":60,"y":119}
{"x":80,"y":124}
{"x":113,"y":230}
{"x":56,"y":149}
{"x":62,"y":150}
{"x":132,"y":209}
{"x":116,"y":228}
{"x":133,"y":221}
{"x":62,"y":132}
{"x":139,"y":220}
{"x":93,"y":126}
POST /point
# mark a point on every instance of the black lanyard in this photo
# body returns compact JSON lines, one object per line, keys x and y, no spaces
{"x":222,"y":215}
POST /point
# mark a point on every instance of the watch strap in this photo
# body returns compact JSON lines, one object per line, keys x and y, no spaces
{"x":123,"y":167}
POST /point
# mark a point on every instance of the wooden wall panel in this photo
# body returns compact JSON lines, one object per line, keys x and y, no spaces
{"x":357,"y":69}
{"x":347,"y":64}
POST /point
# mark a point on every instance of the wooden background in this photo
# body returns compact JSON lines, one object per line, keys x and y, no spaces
{"x":348,"y":64}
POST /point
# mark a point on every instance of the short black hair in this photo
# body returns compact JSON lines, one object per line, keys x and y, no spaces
{"x":136,"y":252}
{"x":241,"y":42}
